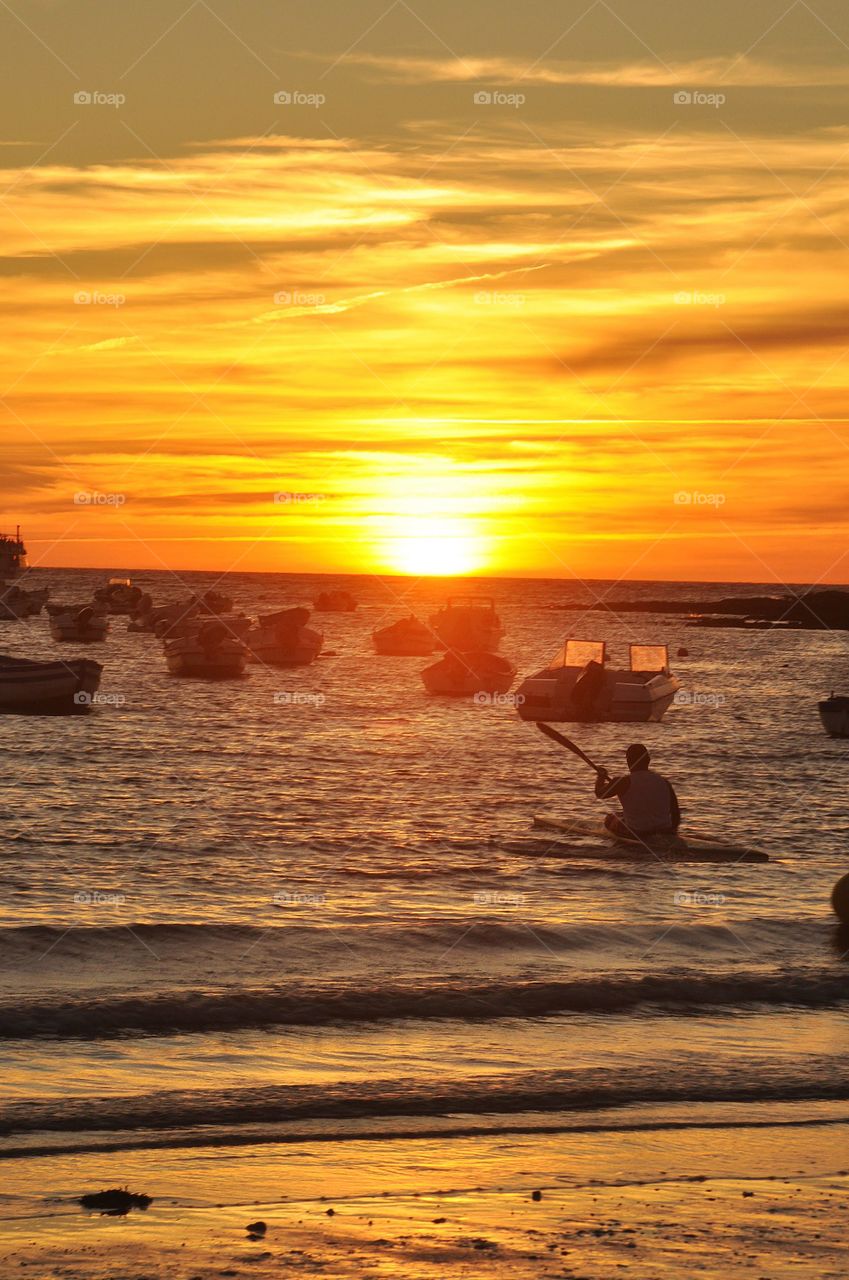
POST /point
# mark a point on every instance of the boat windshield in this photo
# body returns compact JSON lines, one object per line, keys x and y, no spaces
{"x":649,"y":657}
{"x":471,"y":602}
{"x":577,"y":653}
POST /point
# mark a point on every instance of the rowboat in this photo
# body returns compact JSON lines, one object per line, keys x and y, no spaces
{"x":208,"y":654}
{"x":284,"y":640}
{"x":47,"y":688}
{"x":80,"y":624}
{"x":686,"y":848}
{"x":406,"y":638}
{"x":467,"y":623}
{"x":460,"y":675}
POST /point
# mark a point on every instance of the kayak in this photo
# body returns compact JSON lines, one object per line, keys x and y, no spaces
{"x":653,"y":848}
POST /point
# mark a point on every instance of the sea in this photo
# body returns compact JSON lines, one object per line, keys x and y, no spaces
{"x":310,"y":904}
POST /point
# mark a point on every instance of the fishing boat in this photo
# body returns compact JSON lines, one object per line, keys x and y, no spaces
{"x":334,"y":602}
{"x":578,"y":685}
{"x":834,"y":714}
{"x":210,"y":652}
{"x":466,"y":623}
{"x":81,"y":624}
{"x":468,"y":674}
{"x":283,"y":639}
{"x":13,"y":555}
{"x":406,"y":638}
{"x":47,"y":688}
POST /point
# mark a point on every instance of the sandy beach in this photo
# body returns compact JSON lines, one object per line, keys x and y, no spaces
{"x":731,"y":1200}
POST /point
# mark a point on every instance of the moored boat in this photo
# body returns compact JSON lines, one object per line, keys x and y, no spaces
{"x":82,"y":624}
{"x":334,"y":602}
{"x":47,"y":688}
{"x":210,"y":652}
{"x":834,"y":714}
{"x":468,"y":623}
{"x":578,"y":685}
{"x":464,"y":675}
{"x":16,"y":603}
{"x":119,"y":596}
{"x":283,"y":639}
{"x":406,"y":638}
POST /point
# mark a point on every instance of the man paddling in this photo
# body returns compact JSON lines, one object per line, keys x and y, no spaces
{"x":649,"y":803}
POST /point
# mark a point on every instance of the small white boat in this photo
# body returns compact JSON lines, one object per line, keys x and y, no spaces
{"x":406,"y":638}
{"x":80,"y":624}
{"x":209,"y":653}
{"x":284,"y":640}
{"x":578,"y":685}
{"x":834,"y":713}
{"x":464,"y":675}
{"x":47,"y":688}
{"x":468,"y":623}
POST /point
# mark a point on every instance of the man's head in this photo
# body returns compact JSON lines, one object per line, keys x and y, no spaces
{"x":637,"y":756}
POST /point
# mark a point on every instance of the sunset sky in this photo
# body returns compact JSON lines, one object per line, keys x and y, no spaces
{"x":548,"y":290}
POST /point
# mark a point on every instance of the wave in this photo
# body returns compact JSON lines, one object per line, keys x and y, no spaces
{"x":682,"y":1080}
{"x":299,"y":1004}
{"x":496,"y":918}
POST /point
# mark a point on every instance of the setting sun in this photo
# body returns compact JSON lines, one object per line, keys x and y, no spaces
{"x":434,"y":548}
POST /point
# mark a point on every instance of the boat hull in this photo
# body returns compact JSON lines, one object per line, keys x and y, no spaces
{"x":404,"y":640}
{"x":282,"y":651}
{"x":469,"y":675}
{"x":195,"y":666}
{"x":48,"y":688}
{"x":548,"y":697}
{"x":834,"y":714}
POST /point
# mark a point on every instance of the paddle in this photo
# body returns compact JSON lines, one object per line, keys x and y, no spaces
{"x":695,"y":834}
{"x":569,"y":745}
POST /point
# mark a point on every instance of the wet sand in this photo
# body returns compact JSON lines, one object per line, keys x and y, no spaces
{"x":760,"y":1202}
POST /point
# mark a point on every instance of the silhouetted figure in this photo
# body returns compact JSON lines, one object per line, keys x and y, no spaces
{"x":588,"y":687}
{"x":649,"y":803}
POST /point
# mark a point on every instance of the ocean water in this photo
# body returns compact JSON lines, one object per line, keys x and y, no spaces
{"x":310,"y":903}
